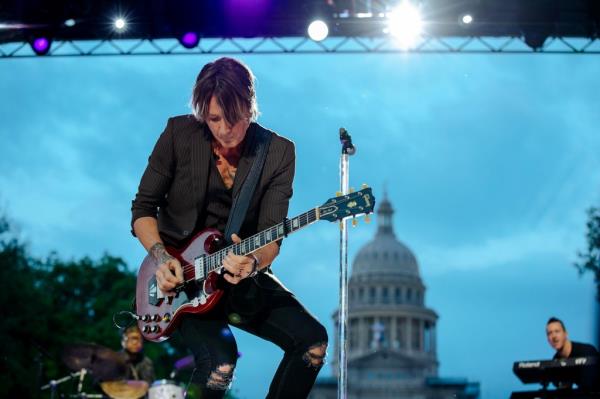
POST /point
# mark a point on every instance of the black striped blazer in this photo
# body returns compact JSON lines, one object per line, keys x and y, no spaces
{"x":173,"y":186}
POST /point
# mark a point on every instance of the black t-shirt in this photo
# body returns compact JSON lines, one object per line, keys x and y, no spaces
{"x":587,"y":378}
{"x":579,"y":349}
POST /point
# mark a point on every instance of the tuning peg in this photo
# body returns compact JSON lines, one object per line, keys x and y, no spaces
{"x":338,"y":193}
{"x":363,"y":186}
{"x":351,"y":189}
{"x":354,"y":222}
{"x":367,"y":219}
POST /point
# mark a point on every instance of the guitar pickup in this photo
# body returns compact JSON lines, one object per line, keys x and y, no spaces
{"x":199,"y":270}
{"x":155,"y":295}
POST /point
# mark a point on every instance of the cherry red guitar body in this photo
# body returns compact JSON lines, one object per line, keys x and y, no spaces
{"x":161,"y":314}
{"x":158,"y":314}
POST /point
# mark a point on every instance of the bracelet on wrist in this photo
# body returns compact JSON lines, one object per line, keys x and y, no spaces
{"x":254,"y":271}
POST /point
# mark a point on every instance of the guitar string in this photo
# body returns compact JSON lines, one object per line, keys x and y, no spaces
{"x":241,"y":245}
{"x":309,"y":217}
{"x":187,"y":267}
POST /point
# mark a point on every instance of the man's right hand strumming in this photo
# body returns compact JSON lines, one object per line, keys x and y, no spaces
{"x":169,"y":273}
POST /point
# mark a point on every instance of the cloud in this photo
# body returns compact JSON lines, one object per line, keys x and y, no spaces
{"x":497,"y":251}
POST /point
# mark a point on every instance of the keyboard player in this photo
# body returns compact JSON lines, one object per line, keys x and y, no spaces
{"x":558,"y":338}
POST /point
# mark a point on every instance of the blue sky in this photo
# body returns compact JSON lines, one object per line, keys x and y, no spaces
{"x":490,"y":162}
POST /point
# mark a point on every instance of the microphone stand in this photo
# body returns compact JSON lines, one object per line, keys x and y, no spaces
{"x":347,"y":150}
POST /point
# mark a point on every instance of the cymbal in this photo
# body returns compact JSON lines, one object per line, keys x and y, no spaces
{"x":131,"y":389}
{"x":103,"y":363}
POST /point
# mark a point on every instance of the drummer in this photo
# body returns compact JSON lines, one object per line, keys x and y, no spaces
{"x":139,"y":366}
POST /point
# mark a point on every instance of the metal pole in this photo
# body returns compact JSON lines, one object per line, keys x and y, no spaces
{"x":347,"y":150}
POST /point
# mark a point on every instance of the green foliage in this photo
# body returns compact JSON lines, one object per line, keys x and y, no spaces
{"x":590,"y":260}
{"x":50,"y":303}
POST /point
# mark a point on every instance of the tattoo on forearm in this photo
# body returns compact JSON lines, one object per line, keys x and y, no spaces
{"x":158,"y":252}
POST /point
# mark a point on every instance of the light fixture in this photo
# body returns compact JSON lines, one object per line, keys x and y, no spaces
{"x":120,"y":24}
{"x":189,"y":39}
{"x":318,"y":30}
{"x":41,"y":45}
{"x":405,"y":23}
{"x":466,"y":19}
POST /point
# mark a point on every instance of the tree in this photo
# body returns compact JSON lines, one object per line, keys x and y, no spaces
{"x":590,"y":260}
{"x":49,"y":304}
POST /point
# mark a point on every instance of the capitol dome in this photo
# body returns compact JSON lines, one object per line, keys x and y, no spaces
{"x":389,"y":344}
{"x":385,"y":254}
{"x":391,"y":332}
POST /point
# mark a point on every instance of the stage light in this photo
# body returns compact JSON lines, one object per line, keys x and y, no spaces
{"x":405,"y":23}
{"x":189,"y":39}
{"x":318,"y":30}
{"x":535,"y":39}
{"x":69,"y":23}
{"x":120,"y":24}
{"x":466,"y":19}
{"x":41,"y":45}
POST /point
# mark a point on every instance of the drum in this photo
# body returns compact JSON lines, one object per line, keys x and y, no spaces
{"x":165,"y":389}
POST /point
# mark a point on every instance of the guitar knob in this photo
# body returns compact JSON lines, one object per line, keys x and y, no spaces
{"x":363,"y":186}
{"x":155,"y":329}
{"x":156,"y":317}
{"x":147,"y":329}
{"x":147,"y":318}
{"x":167,"y":317}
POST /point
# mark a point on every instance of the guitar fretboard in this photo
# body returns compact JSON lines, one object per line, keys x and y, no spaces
{"x":261,"y":239}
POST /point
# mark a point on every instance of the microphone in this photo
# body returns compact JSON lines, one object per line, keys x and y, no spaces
{"x":346,"y":140}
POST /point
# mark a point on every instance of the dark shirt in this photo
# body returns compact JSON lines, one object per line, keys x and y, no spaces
{"x":579,"y":349}
{"x":140,"y":367}
{"x":216,"y":212}
{"x":586,"y":378}
{"x":174,"y":186}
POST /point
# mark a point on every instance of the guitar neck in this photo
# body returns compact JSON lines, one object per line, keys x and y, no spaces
{"x":265,"y":237}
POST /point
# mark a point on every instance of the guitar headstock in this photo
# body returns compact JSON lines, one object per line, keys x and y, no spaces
{"x":352,"y":204}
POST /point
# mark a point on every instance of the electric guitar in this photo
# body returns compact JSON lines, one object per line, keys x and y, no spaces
{"x":158,"y":313}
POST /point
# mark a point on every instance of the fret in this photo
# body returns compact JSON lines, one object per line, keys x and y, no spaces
{"x":259,"y":240}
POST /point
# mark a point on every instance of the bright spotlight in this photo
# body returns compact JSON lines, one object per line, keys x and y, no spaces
{"x":41,"y":45}
{"x":466,"y":19}
{"x":120,"y":24}
{"x":405,"y":24}
{"x":69,"y":23}
{"x":318,"y":30}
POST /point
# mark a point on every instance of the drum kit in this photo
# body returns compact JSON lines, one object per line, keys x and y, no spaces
{"x":107,"y":368}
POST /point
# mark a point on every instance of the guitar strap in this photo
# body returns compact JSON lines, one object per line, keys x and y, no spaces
{"x":241,"y":202}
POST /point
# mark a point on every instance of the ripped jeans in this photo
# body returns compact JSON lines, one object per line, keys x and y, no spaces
{"x":281,"y":319}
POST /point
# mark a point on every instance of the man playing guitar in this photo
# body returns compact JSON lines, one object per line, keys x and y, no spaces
{"x":193,"y":175}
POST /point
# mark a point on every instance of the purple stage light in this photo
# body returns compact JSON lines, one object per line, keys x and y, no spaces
{"x":41,"y":45}
{"x":184,"y":363}
{"x":189,"y":39}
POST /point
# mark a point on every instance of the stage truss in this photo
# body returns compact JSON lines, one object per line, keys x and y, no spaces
{"x":303,"y":45}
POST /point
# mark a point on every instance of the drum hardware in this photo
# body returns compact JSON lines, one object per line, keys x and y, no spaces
{"x":103,"y":363}
{"x":53,"y":384}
